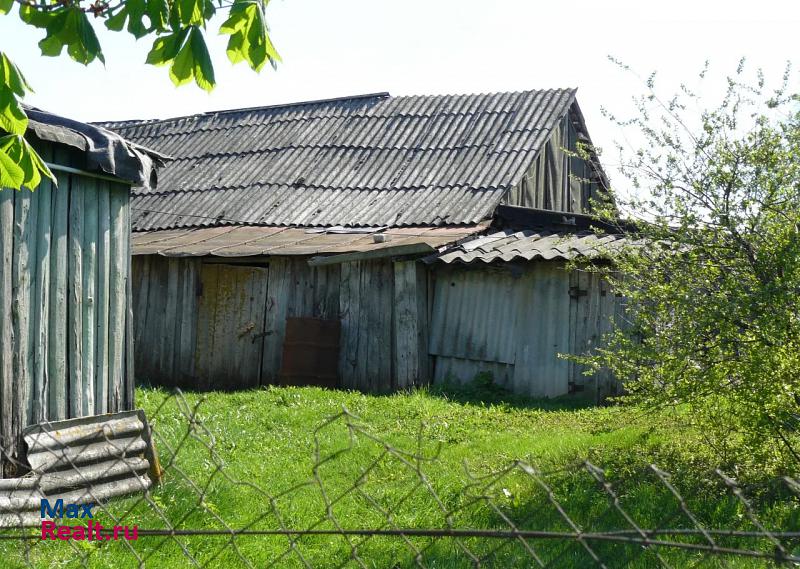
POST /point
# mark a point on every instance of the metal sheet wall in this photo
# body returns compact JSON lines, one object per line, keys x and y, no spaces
{"x":64,"y":301}
{"x":514,"y":327}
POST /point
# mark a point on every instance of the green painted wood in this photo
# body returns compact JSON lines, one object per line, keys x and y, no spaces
{"x":6,"y":328}
{"x":75,"y":297}
{"x":102,"y":284}
{"x":57,"y":350}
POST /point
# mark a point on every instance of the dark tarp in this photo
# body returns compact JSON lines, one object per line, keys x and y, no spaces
{"x":105,"y":151}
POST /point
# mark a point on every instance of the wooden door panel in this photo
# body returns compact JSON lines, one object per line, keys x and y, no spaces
{"x":230,"y":326}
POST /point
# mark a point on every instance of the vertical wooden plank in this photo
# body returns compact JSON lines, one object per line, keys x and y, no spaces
{"x":277,"y":305}
{"x":406,"y":329}
{"x":187,"y":324}
{"x":57,"y":355}
{"x":102,"y":307}
{"x":6,"y":328}
{"x":117,"y":302}
{"x":130,"y":378}
{"x":23,"y":278}
{"x":367,"y":339}
{"x":423,"y":291}
{"x":75,"y":297}
{"x":171,"y":318}
{"x":205,"y":325}
{"x":41,"y":303}
{"x":350,"y":310}
{"x":141,"y":274}
{"x":88,"y":316}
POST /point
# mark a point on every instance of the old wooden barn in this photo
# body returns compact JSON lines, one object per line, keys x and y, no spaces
{"x":370,"y":242}
{"x":65,"y":300}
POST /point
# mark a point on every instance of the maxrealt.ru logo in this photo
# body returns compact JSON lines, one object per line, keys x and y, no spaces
{"x":92,"y":531}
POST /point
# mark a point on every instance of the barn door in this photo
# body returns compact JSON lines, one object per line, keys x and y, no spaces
{"x":230,"y":328}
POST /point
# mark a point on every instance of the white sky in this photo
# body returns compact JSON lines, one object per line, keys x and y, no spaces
{"x":333,"y":48}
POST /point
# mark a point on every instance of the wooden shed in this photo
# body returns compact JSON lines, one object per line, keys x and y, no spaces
{"x":65,"y":298}
{"x":279,"y":234}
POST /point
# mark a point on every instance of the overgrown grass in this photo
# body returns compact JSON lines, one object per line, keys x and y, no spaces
{"x":277,"y":439}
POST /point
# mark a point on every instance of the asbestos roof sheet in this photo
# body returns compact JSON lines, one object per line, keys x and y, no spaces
{"x":530,"y":244}
{"x":240,"y":241}
{"x":365,"y":161}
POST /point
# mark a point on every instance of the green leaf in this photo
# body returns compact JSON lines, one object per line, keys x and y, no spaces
{"x":12,"y":117}
{"x":11,"y":175}
{"x":133,"y":11}
{"x":249,"y":33}
{"x":193,"y":12}
{"x":187,"y":52}
{"x":12,"y":77}
{"x":70,"y":27}
{"x":5,"y":6}
{"x":20,"y":163}
{"x":158,"y":14}
{"x":165,"y":48}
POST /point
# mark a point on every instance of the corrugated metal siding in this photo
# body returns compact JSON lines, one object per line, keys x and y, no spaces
{"x":371,"y":161}
{"x":514,"y":328}
{"x":474,"y":315}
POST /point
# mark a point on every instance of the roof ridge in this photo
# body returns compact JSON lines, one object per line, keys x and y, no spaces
{"x":376,"y":95}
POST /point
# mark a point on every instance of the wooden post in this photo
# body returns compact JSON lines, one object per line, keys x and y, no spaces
{"x":6,"y":329}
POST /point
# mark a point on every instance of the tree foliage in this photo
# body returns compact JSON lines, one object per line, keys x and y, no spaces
{"x":712,"y":275}
{"x":178,"y":30}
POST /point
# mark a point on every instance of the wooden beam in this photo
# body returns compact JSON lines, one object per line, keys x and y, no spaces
{"x":382,"y":253}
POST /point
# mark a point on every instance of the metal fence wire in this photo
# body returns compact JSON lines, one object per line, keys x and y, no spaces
{"x":367,"y":503}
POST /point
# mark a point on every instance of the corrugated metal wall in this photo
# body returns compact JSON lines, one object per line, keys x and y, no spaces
{"x":514,"y":324}
{"x":64,"y":310}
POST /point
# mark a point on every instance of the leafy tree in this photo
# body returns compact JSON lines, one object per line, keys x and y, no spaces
{"x":178,"y":30}
{"x":712,"y":273}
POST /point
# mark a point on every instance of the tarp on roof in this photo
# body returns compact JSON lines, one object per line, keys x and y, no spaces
{"x":106,"y":151}
{"x":366,"y":161}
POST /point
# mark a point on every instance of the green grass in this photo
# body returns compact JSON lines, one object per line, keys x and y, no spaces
{"x":265,"y":459}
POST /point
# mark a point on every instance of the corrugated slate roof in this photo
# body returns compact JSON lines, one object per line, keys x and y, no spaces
{"x":530,"y":244}
{"x":363,"y":161}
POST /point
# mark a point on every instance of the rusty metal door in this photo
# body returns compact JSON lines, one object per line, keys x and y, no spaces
{"x":230,"y":327}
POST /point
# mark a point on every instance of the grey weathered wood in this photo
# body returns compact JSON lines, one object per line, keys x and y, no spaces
{"x":102,"y":306}
{"x":278,"y":299}
{"x":6,"y":328}
{"x":129,"y":376}
{"x":117,"y":301}
{"x":41,"y":303}
{"x":23,"y":276}
{"x":75,"y":299}
{"x":89,"y":275}
{"x":373,"y":254}
{"x":407,"y":363}
{"x":57,"y":355}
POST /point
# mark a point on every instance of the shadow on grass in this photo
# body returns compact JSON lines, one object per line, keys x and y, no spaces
{"x":482,"y":390}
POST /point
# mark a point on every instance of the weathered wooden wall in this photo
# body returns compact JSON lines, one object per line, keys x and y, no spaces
{"x":64,"y":302}
{"x":513,"y":324}
{"x":558,"y":179}
{"x":180,"y":342}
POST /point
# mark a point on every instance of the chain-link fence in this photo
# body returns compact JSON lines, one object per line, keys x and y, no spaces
{"x":365,"y":503}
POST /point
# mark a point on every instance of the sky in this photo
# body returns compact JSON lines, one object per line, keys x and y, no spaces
{"x":334,"y":48}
